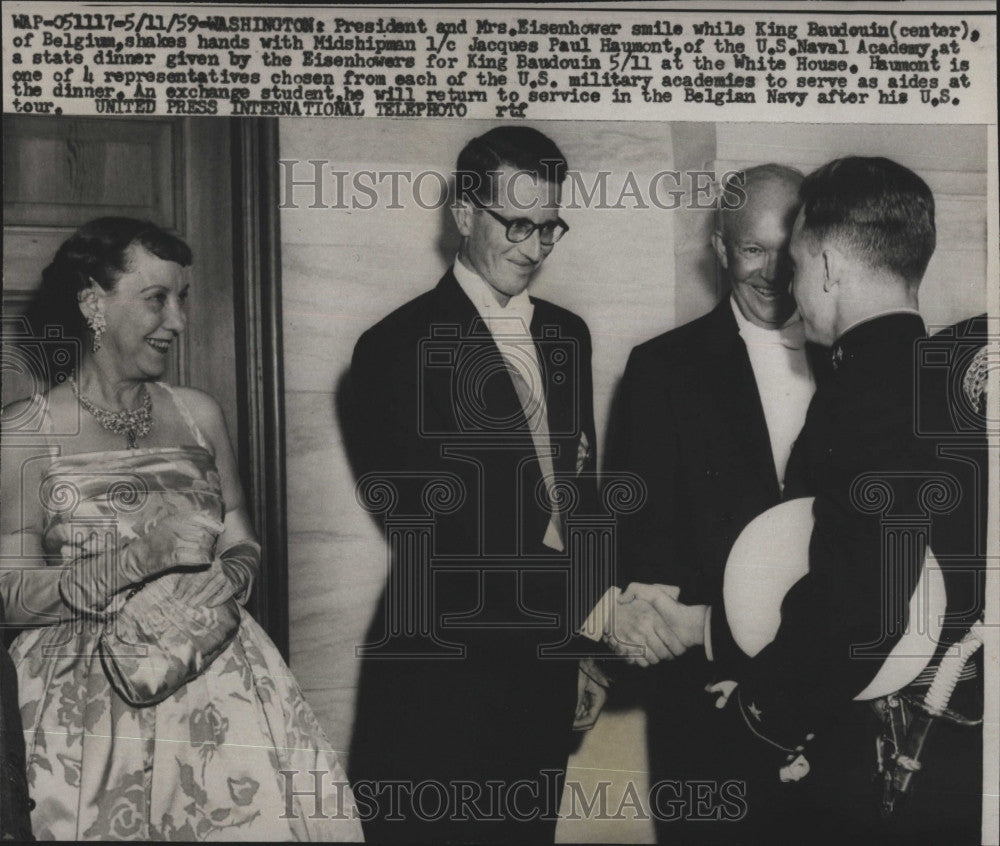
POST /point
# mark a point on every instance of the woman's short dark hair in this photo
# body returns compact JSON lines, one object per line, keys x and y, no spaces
{"x":98,"y":252}
{"x":876,"y":207}
{"x":520,"y":147}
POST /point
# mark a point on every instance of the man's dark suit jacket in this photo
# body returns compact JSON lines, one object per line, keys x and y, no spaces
{"x":689,"y":421}
{"x":433,"y":399}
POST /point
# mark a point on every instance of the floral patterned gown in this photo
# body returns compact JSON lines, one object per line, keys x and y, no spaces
{"x":204,"y":763}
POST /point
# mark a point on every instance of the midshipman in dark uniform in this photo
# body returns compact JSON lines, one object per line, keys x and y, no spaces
{"x":884,"y":490}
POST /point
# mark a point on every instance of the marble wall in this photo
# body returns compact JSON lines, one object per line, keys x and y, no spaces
{"x":629,"y":272}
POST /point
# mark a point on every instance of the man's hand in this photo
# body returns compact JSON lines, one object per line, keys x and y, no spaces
{"x":591,"y":694}
{"x":638,"y":632}
{"x":724,"y":689}
{"x":651,"y":617}
{"x":687,"y":622}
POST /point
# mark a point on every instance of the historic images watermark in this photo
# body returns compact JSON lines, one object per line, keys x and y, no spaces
{"x":316,"y":794}
{"x":322,"y":184}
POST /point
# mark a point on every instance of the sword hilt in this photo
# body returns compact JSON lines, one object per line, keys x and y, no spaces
{"x":935,"y":705}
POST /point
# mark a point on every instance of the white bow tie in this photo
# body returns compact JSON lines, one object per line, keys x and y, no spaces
{"x":514,"y":319}
{"x":791,"y":336}
{"x":794,"y":336}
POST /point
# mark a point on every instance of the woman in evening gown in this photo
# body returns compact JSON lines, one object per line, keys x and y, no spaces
{"x":153,"y":705}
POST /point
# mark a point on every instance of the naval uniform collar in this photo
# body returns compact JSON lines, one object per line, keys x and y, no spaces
{"x":878,"y":340}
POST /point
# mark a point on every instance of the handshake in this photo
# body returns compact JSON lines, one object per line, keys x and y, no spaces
{"x":646,"y":624}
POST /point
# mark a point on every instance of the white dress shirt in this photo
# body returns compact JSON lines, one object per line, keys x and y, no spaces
{"x":784,"y":381}
{"x":510,"y":327}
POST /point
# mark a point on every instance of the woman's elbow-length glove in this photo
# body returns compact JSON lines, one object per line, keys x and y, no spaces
{"x":241,"y":563}
{"x":181,"y":540}
{"x":231,"y":576}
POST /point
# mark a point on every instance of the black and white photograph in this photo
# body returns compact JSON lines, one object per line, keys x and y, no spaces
{"x":541,"y":476}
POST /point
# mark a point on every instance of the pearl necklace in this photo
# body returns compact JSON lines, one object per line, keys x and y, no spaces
{"x":134,"y":423}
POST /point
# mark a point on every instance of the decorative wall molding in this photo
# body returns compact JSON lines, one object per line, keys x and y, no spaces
{"x":260,"y":381}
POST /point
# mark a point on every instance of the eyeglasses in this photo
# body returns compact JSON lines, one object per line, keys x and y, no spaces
{"x":521,"y":229}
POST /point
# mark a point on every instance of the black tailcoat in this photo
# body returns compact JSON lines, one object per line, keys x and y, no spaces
{"x":433,"y":400}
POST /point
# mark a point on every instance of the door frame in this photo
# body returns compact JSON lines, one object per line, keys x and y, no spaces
{"x":259,"y":364}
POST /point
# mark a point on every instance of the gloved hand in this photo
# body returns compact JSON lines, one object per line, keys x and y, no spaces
{"x":231,"y":575}
{"x":181,"y":540}
{"x":241,"y":563}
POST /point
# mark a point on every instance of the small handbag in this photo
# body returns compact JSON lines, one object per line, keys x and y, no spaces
{"x":155,"y":644}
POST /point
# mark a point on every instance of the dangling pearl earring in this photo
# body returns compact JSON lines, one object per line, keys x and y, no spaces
{"x":97,"y":325}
